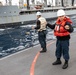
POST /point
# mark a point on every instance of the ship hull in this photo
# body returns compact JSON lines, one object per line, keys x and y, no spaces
{"x":15,"y":19}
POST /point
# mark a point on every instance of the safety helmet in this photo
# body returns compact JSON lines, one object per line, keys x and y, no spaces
{"x":60,"y":12}
{"x":38,"y":13}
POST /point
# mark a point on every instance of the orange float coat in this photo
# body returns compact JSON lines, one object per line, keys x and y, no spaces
{"x":60,"y":27}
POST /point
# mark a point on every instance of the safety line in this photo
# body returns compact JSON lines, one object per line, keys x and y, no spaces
{"x":35,"y":59}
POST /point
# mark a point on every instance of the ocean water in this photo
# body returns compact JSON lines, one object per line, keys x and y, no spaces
{"x":16,"y":39}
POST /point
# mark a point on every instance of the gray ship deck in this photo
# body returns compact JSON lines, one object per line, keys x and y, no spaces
{"x":31,"y":62}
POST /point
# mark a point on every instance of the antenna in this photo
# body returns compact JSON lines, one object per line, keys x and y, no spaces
{"x":45,"y":1}
{"x":21,"y":3}
{"x":6,"y":2}
{"x":10,"y":2}
{"x":73,"y":2}
{"x":28,"y":7}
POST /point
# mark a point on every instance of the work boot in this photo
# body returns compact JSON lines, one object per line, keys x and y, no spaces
{"x":57,"y":62}
{"x":65,"y":65}
{"x":43,"y":50}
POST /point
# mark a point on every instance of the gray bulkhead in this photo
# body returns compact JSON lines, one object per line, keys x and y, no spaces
{"x":9,"y":14}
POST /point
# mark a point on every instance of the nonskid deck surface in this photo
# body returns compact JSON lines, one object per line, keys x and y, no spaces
{"x":44,"y":63}
{"x":22,"y":63}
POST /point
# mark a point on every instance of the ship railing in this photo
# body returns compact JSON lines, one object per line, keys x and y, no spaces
{"x":23,"y":12}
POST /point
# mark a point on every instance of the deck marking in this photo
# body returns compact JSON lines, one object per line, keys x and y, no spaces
{"x":35,"y":59}
{"x":33,"y":64}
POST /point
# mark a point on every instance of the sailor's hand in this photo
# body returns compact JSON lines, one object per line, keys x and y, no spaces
{"x":67,"y":27}
{"x":33,"y":27}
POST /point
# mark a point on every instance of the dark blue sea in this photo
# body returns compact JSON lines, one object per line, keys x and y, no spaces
{"x":16,"y":39}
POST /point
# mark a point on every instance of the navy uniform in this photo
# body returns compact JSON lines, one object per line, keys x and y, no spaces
{"x":41,"y":28}
{"x":62,"y":29}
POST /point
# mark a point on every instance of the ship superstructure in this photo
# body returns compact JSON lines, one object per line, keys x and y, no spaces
{"x":11,"y":15}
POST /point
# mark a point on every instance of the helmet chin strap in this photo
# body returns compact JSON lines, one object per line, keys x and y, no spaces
{"x":61,"y":18}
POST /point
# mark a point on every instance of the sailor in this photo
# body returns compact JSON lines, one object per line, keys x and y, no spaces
{"x":62,"y":29}
{"x":41,"y":28}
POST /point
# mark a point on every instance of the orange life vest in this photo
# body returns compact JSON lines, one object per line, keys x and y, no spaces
{"x":59,"y":27}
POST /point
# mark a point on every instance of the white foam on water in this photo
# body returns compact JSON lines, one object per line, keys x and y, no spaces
{"x":27,"y":26}
{"x":20,"y":47}
{"x":2,"y":29}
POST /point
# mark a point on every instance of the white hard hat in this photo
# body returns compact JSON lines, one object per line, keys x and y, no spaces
{"x":38,"y":13}
{"x":60,"y":12}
